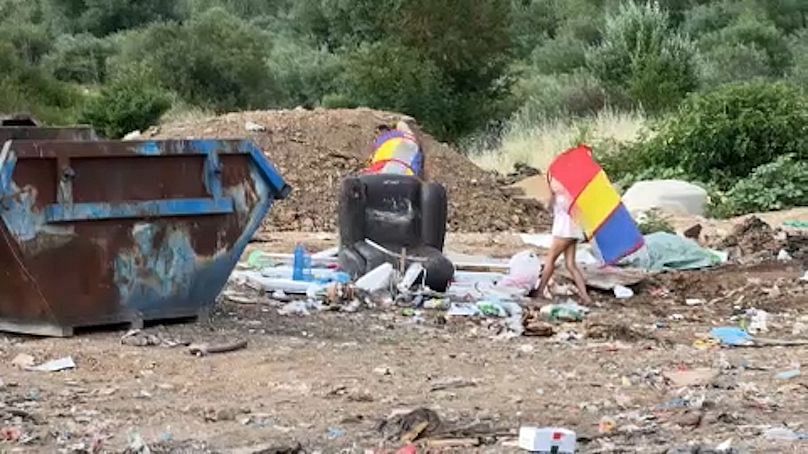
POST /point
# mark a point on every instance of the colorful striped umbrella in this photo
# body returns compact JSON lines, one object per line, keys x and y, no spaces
{"x":596,"y":205}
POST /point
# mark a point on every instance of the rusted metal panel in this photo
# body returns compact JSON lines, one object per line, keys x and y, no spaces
{"x":101,"y":232}
{"x":46,"y":133}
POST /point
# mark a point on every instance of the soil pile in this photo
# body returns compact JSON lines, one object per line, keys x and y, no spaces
{"x":753,"y":239}
{"x":315,"y":150}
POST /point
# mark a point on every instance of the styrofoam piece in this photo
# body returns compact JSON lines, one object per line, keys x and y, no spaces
{"x":623,"y":292}
{"x":376,"y":279}
{"x":270,"y":284}
{"x":546,"y":440}
{"x":411,"y":276}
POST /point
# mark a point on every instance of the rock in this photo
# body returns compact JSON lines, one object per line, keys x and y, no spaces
{"x":23,"y":361}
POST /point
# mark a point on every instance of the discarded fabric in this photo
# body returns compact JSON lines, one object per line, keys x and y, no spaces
{"x":732,"y":336}
{"x":666,"y":251}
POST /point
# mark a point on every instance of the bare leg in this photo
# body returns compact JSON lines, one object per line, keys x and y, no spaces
{"x":575,"y":272}
{"x":556,"y":249}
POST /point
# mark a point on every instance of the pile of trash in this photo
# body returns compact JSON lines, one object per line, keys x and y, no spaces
{"x":303,"y":284}
{"x":315,"y":150}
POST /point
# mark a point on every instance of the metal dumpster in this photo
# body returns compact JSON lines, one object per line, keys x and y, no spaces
{"x":107,"y":232}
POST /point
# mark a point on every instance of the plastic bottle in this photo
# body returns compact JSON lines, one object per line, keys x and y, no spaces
{"x":302,"y":265}
{"x":562,"y":312}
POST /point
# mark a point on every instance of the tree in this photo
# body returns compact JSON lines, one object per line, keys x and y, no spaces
{"x":642,"y":58}
{"x":214,"y":60}
{"x":390,"y":76}
{"x":532,"y":22}
{"x":102,"y":17}
{"x":80,"y":58}
{"x":753,"y":33}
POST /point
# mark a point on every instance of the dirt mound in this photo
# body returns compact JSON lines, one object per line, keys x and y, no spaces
{"x":753,"y":239}
{"x":315,"y":150}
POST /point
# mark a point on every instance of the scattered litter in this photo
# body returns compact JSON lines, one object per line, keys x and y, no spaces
{"x":138,"y":338}
{"x":409,"y":427}
{"x":376,"y":279}
{"x":11,"y":434}
{"x":692,"y":377}
{"x":621,"y":292}
{"x":23,"y":361}
{"x":804,"y":277}
{"x":607,"y":425}
{"x":207,"y":349}
{"x":788,"y":374}
{"x":300,"y":307}
{"x":137,"y":445}
{"x":254,"y":127}
{"x":55,"y":366}
{"x":758,"y":321}
{"x":411,"y":276}
{"x":694,"y":301}
{"x":523,"y":271}
{"x":383,"y":370}
{"x":564,"y":312}
{"x":666,"y":251}
{"x":452,"y":383}
{"x":783,"y":256}
{"x":462,"y":310}
{"x":335,"y":432}
{"x":725,"y":447}
{"x":784,"y":434}
{"x":732,"y":336}
{"x":437,"y":304}
{"x":547,"y":439}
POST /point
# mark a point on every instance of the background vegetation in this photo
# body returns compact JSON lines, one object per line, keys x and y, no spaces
{"x":709,"y":90}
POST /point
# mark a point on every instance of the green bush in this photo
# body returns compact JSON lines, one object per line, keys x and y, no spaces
{"x":302,"y":73}
{"x":103,"y":17}
{"x":131,"y":102}
{"x":29,"y":89}
{"x":558,"y":96}
{"x":80,"y":58}
{"x":798,"y":73}
{"x":532,"y":22}
{"x":563,"y":54}
{"x":393,"y":77}
{"x":778,"y":185}
{"x":753,"y":33}
{"x":722,"y":135}
{"x":733,"y":62}
{"x":710,"y":17}
{"x":215,"y":60}
{"x":642,"y":58}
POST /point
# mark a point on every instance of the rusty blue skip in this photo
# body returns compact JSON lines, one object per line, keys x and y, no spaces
{"x":107,"y":232}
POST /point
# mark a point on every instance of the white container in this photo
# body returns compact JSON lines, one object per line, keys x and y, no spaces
{"x":547,"y":440}
{"x":376,"y":279}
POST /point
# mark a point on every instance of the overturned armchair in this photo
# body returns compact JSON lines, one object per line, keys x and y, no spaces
{"x":390,"y":214}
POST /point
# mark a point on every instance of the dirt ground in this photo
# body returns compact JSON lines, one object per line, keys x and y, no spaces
{"x":324,"y":382}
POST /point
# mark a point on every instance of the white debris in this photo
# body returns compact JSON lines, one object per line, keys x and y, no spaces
{"x":377,"y":279}
{"x":254,"y":127}
{"x":622,"y":292}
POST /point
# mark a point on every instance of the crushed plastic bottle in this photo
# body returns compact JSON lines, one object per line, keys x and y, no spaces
{"x":566,"y":312}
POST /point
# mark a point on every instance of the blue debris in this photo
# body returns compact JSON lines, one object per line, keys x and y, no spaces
{"x":732,"y":336}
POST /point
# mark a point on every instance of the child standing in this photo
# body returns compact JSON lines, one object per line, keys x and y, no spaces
{"x":566,"y":235}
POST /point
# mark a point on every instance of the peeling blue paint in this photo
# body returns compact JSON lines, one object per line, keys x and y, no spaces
{"x":160,"y":273}
{"x":148,"y":149}
{"x":146,"y":277}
